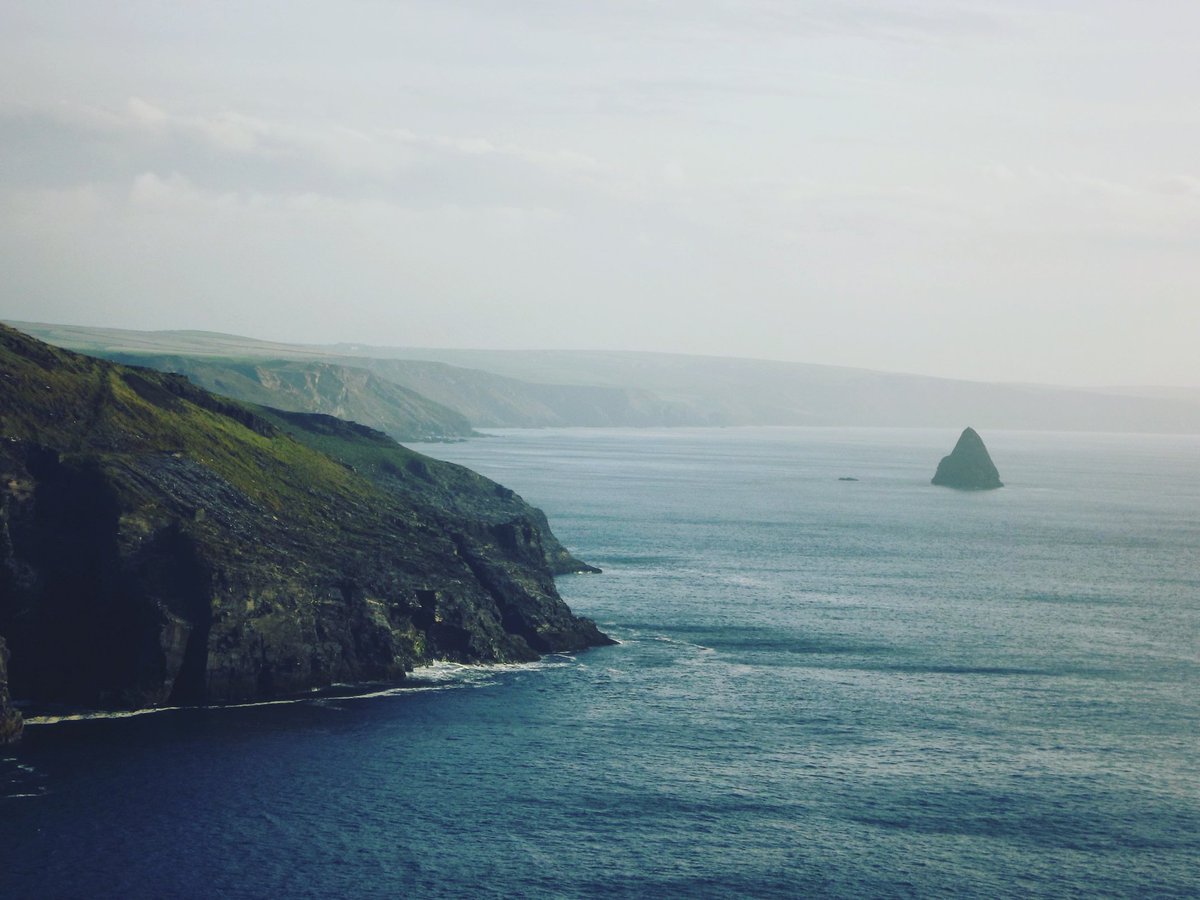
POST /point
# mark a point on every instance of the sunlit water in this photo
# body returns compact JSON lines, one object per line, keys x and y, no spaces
{"x":824,"y":687}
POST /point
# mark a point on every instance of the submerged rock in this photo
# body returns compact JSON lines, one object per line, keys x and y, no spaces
{"x":969,"y":467}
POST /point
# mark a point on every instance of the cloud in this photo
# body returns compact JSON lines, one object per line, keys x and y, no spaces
{"x":775,"y":19}
{"x":154,"y":158}
{"x":1186,"y":185}
{"x":1074,"y":205}
{"x":233,"y":152}
{"x":886,"y":19}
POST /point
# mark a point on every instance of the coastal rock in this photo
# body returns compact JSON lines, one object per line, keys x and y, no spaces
{"x":10,"y":720}
{"x":160,"y":545}
{"x":969,"y":467}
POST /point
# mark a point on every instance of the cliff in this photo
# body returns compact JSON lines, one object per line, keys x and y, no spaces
{"x":162,"y":545}
{"x":969,"y":466}
{"x":10,"y":720}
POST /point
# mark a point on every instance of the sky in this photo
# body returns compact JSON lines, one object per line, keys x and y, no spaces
{"x":1001,"y":191}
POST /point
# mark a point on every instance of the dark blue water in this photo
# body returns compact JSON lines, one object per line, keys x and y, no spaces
{"x":871,"y":688}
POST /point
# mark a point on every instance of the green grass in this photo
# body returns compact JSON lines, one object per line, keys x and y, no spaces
{"x":78,"y":404}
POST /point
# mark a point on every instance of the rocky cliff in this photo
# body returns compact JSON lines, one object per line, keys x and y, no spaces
{"x":162,"y":545}
{"x":969,"y":466}
{"x":10,"y":720}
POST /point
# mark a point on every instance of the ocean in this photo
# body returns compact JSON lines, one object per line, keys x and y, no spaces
{"x":870,"y":688}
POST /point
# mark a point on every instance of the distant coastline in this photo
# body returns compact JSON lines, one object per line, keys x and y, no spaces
{"x":413,"y":392}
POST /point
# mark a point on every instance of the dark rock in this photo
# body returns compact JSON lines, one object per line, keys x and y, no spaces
{"x":969,"y":467}
{"x":10,"y":720}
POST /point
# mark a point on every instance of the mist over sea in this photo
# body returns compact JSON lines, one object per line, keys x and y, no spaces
{"x":824,"y":687}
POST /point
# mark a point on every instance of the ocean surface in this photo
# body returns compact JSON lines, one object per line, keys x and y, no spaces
{"x":823,"y":688}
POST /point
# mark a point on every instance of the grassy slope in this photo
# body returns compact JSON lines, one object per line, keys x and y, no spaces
{"x":313,"y":386}
{"x":80,"y":404}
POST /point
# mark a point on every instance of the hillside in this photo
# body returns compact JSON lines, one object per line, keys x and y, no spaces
{"x":497,"y":388}
{"x":438,"y":402}
{"x":731,"y":391}
{"x":353,"y":394}
{"x":489,"y":400}
{"x":162,"y":545}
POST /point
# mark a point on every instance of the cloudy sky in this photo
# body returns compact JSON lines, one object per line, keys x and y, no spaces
{"x":989,"y":189}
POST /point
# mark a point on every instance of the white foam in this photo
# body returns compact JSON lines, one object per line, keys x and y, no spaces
{"x":438,"y":675}
{"x":34,"y":721}
{"x":663,"y":639}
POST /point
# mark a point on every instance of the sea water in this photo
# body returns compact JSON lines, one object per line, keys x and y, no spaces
{"x":823,"y":688}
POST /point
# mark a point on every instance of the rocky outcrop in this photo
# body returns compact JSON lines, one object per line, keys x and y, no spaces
{"x":969,"y":466}
{"x":11,"y":723}
{"x":160,"y":545}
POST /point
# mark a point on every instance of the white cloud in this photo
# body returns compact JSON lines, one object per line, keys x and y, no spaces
{"x":1188,"y":185}
{"x":238,"y":152}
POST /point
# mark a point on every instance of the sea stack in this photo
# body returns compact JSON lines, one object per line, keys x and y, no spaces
{"x":968,"y":467}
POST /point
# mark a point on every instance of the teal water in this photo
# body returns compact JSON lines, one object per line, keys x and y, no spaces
{"x":869,"y":688}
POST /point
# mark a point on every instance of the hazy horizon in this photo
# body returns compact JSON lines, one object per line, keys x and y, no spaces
{"x":973,"y":190}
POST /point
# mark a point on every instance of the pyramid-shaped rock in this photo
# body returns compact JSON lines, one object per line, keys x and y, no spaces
{"x":968,"y":467}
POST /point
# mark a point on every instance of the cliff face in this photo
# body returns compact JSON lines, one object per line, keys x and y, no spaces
{"x":969,"y":466}
{"x":10,"y":720}
{"x":160,"y":545}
